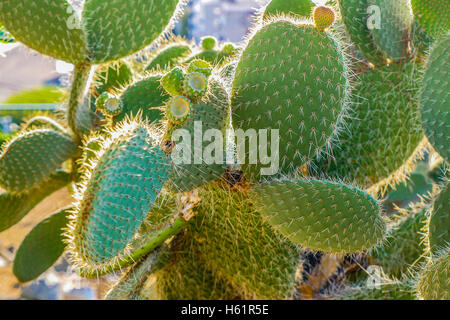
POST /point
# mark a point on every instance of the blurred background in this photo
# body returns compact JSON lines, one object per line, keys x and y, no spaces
{"x":30,"y":83}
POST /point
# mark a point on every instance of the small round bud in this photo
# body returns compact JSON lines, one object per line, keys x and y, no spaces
{"x":323,"y":17}
{"x":209,"y":43}
{"x":113,"y":106}
{"x":178,"y":109}
{"x":195,"y":85}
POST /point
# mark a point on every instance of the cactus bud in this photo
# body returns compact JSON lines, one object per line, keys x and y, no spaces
{"x":195,"y":85}
{"x":323,"y":17}
{"x":172,"y":82}
{"x":109,"y":104}
{"x":209,"y":43}
{"x":178,"y":109}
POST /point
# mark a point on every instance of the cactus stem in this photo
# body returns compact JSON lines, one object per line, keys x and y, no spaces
{"x":81,"y":77}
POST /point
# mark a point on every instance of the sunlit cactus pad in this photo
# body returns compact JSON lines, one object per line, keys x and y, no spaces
{"x":117,"y":194}
{"x":293,"y":78}
{"x":321,"y":215}
{"x":32,"y":157}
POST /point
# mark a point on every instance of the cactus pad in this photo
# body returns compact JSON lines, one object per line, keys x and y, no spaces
{"x":434,"y":280}
{"x":404,"y":247}
{"x":395,"y":28}
{"x":385,"y":130}
{"x":117,"y":28}
{"x":434,"y":98}
{"x":144,"y":96}
{"x":32,"y":157}
{"x":48,"y":26}
{"x":234,"y":242}
{"x":291,"y":78}
{"x":15,"y":206}
{"x":302,"y":8}
{"x":355,"y":17}
{"x":186,"y":277}
{"x":433,"y":15}
{"x":41,"y":247}
{"x":321,"y":215}
{"x":209,"y":113}
{"x":117,"y":194}
{"x":439,"y":224}
{"x":169,"y":56}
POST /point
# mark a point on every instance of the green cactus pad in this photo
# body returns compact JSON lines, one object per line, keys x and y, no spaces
{"x":355,"y":17}
{"x":434,"y":98}
{"x":321,"y":215}
{"x":111,"y":77}
{"x":403,"y":249}
{"x":173,"y":81}
{"x":434,"y":280}
{"x":15,"y":206}
{"x":421,"y":40}
{"x":118,"y":28}
{"x":394,"y":33}
{"x":39,"y":122}
{"x":169,"y":56}
{"x":439,"y":224}
{"x":32,"y":157}
{"x":385,"y":130}
{"x":211,"y":112}
{"x":291,"y":78}
{"x":48,"y":26}
{"x":41,"y":248}
{"x":116,"y":195}
{"x":144,"y":96}
{"x":433,"y":15}
{"x":209,"y":43}
{"x":235,"y":243}
{"x":303,"y":8}
{"x":214,"y":57}
{"x":187,"y":278}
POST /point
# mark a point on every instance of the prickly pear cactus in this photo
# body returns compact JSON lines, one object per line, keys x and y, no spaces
{"x":116,"y":195}
{"x":432,"y":15}
{"x":434,"y":281}
{"x":387,"y":133}
{"x":292,"y":78}
{"x":158,"y":150}
{"x":33,"y":157}
{"x":434,"y":97}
